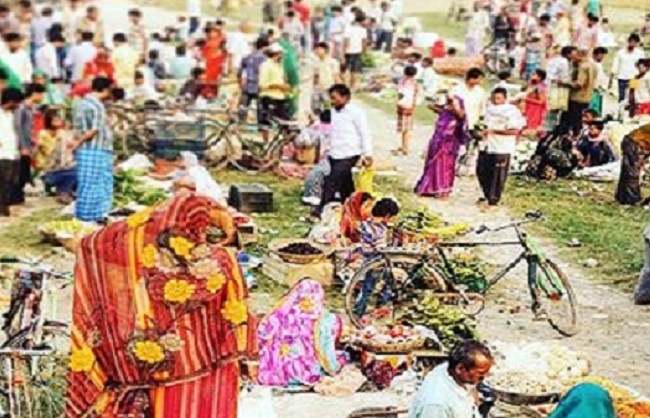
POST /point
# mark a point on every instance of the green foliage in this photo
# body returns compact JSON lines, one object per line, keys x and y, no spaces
{"x":129,"y":188}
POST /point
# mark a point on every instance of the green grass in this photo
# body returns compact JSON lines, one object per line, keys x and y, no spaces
{"x":251,"y":12}
{"x":422,"y":114}
{"x":24,"y":237}
{"x":437,"y":23}
{"x":609,"y":232}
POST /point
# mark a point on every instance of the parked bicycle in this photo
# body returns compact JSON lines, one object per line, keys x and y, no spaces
{"x":35,"y":351}
{"x":393,"y":277}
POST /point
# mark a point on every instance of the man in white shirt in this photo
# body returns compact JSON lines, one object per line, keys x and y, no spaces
{"x":327,"y":72}
{"x":125,"y":61}
{"x":350,"y":143}
{"x":624,"y":66}
{"x":473,"y":95}
{"x":504,"y":123}
{"x":355,"y":44}
{"x":397,"y":8}
{"x":387,"y":24}
{"x":141,"y":91}
{"x":80,"y":55}
{"x":17,"y":58}
{"x":41,"y":26}
{"x":450,"y":390}
{"x":47,"y":58}
{"x":9,"y":149}
{"x":337,"y":33}
{"x":239,"y":45}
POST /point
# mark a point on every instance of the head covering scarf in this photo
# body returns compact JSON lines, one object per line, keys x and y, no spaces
{"x":351,"y":217}
{"x":585,"y":400}
{"x":160,"y":319}
{"x":297,"y":339}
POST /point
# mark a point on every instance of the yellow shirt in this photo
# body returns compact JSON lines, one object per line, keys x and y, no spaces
{"x":271,"y":73}
{"x":125,"y":60}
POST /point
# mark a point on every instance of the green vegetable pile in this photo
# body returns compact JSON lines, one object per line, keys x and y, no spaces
{"x":129,"y":188}
{"x":369,"y":60}
{"x":468,"y":270}
{"x":450,"y":323}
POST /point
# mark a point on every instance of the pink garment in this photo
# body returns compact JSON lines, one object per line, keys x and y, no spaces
{"x":297,"y":339}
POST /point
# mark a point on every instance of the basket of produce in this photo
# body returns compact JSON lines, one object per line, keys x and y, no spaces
{"x":299,"y":251}
{"x":394,"y":340}
{"x":535,"y":373}
{"x":425,"y":227}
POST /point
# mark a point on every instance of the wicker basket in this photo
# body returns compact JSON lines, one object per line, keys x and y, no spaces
{"x":276,"y":246}
{"x":403,"y":347}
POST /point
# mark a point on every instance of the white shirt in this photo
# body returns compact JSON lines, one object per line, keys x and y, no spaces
{"x":475,"y":101}
{"x":606,"y":39}
{"x":143,"y":92}
{"x":20,"y":63}
{"x":441,"y":397}
{"x":194,"y":8}
{"x":47,"y":60}
{"x":387,"y":21}
{"x":350,"y":136}
{"x":558,"y":70}
{"x":337,"y":29}
{"x":79,"y":56}
{"x":503,"y":117}
{"x":397,"y":8}
{"x":624,"y":67}
{"x":293,"y":27}
{"x":642,"y":93}
{"x":429,"y":79}
{"x":40,"y":27}
{"x":355,"y":36}
{"x":479,"y":24}
{"x":8,"y":140}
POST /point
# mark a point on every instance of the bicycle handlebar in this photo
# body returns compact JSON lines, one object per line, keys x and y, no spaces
{"x":35,"y":263}
{"x":530,"y":217}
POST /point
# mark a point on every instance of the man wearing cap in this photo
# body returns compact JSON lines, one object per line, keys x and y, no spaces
{"x":273,"y":88}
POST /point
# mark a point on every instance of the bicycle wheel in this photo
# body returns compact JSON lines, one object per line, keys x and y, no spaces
{"x":38,"y":384}
{"x":557,"y":299}
{"x":372,"y":296}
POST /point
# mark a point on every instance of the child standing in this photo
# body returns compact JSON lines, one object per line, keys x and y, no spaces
{"x":536,"y":101}
{"x":408,"y":91}
{"x":54,"y":159}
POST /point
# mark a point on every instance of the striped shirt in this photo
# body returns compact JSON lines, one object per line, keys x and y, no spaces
{"x":90,"y":114}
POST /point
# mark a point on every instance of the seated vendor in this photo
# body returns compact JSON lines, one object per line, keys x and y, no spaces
{"x":196,"y":86}
{"x":357,"y":209}
{"x":585,"y":400}
{"x":450,"y":390}
{"x":594,"y":148}
{"x":224,"y":231}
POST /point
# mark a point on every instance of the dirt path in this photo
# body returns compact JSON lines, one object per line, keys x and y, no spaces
{"x":614,"y":331}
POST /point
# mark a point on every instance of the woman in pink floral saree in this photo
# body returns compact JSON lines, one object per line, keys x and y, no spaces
{"x":297,"y":339}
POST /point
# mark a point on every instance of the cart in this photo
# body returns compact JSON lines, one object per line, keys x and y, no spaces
{"x":172,"y":136}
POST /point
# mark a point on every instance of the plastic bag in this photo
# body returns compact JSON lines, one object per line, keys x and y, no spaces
{"x":363,"y":180}
{"x":256,"y":402}
{"x":642,"y":293}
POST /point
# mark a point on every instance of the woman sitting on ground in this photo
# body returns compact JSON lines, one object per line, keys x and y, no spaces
{"x":585,"y":400}
{"x":356,"y":210}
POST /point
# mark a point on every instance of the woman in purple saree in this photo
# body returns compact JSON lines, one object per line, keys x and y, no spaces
{"x":450,"y":134}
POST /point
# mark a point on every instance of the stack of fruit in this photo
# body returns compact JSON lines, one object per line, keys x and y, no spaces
{"x":425,"y":225}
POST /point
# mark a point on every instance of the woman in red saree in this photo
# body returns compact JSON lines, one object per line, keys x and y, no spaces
{"x":215,"y":56}
{"x":160,"y":320}
{"x":101,"y":66}
{"x":356,"y":209}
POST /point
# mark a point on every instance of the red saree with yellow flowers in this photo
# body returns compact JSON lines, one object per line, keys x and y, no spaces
{"x":160,"y":320}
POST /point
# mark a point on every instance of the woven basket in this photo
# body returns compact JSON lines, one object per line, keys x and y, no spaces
{"x":276,"y":245}
{"x":394,"y":348}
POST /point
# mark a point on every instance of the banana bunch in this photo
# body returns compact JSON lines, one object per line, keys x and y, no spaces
{"x":420,"y":222}
{"x":71,"y":226}
{"x":449,"y":323}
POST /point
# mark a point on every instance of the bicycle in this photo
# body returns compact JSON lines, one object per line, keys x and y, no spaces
{"x":404,"y":274}
{"x":35,"y":350}
{"x":252,"y":153}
